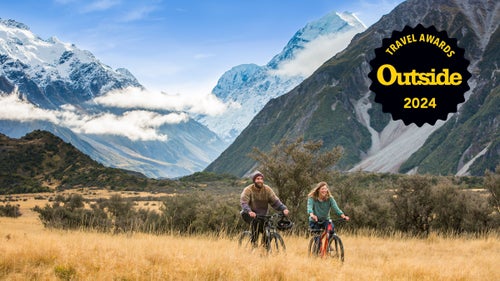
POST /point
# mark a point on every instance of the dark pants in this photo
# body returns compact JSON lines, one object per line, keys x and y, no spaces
{"x":256,"y":224}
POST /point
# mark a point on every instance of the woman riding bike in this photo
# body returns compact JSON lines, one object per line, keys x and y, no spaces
{"x":319,"y":203}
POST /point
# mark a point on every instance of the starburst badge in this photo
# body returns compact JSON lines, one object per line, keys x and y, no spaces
{"x":419,"y":75}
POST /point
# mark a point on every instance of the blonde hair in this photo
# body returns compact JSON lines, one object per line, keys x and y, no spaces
{"x":314,"y":193}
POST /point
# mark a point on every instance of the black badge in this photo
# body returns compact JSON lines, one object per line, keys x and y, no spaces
{"x":419,"y":75}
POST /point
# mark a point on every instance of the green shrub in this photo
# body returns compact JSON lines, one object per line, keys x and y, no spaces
{"x":64,"y":272}
{"x":9,"y":210}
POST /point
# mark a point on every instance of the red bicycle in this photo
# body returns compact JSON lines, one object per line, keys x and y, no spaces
{"x":325,"y":242}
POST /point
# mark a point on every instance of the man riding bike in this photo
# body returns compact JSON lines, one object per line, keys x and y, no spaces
{"x":255,"y":200}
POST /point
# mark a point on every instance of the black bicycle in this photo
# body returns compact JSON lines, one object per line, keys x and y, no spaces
{"x":270,"y":239}
{"x":325,"y":242}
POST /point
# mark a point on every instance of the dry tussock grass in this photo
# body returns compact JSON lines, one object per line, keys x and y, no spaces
{"x":30,"y":252}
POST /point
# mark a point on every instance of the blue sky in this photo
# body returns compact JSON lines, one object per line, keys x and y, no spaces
{"x":181,"y":46}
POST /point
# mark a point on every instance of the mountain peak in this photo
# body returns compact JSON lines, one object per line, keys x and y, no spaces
{"x":13,"y":23}
{"x":250,"y":86}
{"x":37,"y":66}
{"x":352,"y":19}
{"x":59,"y":82}
{"x":335,"y":104}
{"x":331,"y":23}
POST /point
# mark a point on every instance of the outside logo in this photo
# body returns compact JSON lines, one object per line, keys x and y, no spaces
{"x":419,"y":75}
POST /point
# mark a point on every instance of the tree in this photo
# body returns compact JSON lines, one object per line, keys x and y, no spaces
{"x":75,"y":201}
{"x":412,"y":205}
{"x":293,"y":167}
{"x":450,"y":208}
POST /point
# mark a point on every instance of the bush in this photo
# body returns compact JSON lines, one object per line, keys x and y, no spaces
{"x":64,"y":272}
{"x":413,"y":205}
{"x":198,"y":213}
{"x":9,"y":210}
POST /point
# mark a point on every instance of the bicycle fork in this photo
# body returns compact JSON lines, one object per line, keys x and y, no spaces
{"x":323,"y":244}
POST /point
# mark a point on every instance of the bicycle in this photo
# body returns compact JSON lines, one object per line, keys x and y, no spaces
{"x":271,"y":240}
{"x":324,"y":245}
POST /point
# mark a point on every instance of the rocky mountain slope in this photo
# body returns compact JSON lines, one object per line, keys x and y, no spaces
{"x":335,"y":105}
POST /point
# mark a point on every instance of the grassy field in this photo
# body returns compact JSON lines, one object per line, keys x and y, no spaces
{"x":30,"y":252}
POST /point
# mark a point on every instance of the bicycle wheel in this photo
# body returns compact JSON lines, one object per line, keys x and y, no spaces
{"x":336,"y":248}
{"x":245,"y":240}
{"x":314,"y":246}
{"x":276,"y":243}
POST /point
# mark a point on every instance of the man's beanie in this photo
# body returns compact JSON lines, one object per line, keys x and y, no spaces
{"x":256,"y":174}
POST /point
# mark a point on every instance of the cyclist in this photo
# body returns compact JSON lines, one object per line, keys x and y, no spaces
{"x":319,"y":203}
{"x":255,"y":200}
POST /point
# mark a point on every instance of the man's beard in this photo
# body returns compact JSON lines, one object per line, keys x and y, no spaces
{"x":259,"y":184}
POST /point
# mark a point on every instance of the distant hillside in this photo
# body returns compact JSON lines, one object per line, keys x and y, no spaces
{"x":41,"y":161}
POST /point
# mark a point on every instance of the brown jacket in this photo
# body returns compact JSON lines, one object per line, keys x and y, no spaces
{"x":258,"y":199}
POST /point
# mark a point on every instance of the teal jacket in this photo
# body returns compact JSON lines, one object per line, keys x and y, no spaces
{"x":322,"y":208}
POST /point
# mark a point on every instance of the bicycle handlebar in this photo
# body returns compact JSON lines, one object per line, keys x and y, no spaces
{"x":266,"y":217}
{"x":337,"y":220}
{"x":262,"y":216}
{"x":322,"y":222}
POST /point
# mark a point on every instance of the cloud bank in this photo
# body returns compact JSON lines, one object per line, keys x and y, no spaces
{"x":137,"y":125}
{"x":137,"y":98}
{"x":13,"y":108}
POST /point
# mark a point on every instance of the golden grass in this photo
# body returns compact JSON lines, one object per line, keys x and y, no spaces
{"x":30,"y":252}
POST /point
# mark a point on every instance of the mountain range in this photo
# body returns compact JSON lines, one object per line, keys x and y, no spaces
{"x":55,"y":86}
{"x":335,"y":104}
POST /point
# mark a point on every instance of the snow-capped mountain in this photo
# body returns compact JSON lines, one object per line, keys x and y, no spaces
{"x":55,"y":86}
{"x":247,"y":88}
{"x":40,"y":68}
{"x":335,"y":104}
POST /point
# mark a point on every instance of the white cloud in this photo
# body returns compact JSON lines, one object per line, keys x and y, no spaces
{"x":207,"y":104}
{"x":16,"y":109}
{"x":135,"y":124}
{"x":314,"y":54}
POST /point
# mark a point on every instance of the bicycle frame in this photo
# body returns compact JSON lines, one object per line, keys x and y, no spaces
{"x":325,"y":240}
{"x":268,"y":228}
{"x":322,"y":238}
{"x":271,"y":240}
